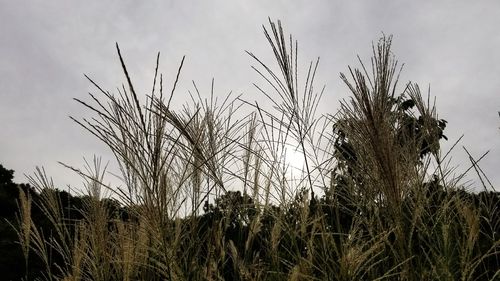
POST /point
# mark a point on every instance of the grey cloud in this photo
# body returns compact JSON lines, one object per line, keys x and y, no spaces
{"x":47,"y":46}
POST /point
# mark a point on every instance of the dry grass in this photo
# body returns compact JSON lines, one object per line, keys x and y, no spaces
{"x":364,"y":208}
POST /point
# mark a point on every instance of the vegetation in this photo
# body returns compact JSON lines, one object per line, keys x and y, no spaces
{"x":206,"y":196}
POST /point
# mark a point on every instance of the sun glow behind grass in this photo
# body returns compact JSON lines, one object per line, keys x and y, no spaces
{"x":294,"y":161}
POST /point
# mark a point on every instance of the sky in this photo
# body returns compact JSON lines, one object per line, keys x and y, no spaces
{"x":46,"y":47}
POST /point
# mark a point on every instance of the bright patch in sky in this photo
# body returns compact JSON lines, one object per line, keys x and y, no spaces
{"x":294,"y":159}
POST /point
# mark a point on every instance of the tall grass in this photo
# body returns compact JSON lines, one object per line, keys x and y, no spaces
{"x":208,"y":193}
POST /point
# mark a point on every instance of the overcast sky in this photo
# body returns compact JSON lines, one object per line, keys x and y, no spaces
{"x":47,"y":46}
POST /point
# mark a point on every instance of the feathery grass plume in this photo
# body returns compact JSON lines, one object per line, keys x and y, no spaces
{"x":24,"y":223}
{"x":379,"y":145}
{"x":55,"y":243}
{"x":368,"y":122}
{"x":295,"y":108}
{"x":374,"y":200}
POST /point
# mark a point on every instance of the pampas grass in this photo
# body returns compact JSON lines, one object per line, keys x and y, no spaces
{"x":208,"y":195}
